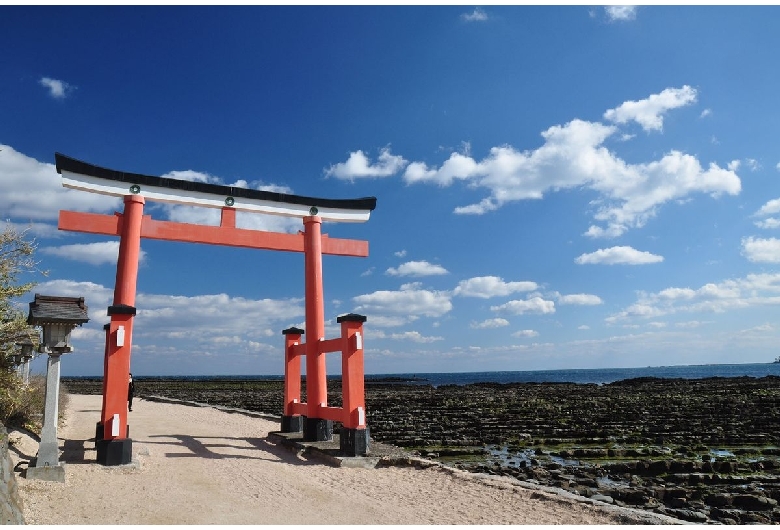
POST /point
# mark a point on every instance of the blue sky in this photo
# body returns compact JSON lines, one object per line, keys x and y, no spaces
{"x":557,"y":187}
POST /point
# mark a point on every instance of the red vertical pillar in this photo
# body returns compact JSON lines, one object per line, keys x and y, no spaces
{"x":354,"y":435}
{"x":291,"y":422}
{"x":99,"y":426}
{"x":116,"y":447}
{"x":315,"y":429}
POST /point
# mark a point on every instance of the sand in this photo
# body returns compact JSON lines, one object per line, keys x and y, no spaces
{"x":196,"y":465}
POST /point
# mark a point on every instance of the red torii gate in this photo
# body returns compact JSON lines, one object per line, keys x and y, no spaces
{"x":314,"y":417}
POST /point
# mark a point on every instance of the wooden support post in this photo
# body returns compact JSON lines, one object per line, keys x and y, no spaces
{"x":354,"y":437}
{"x":99,"y":426}
{"x":116,"y":447}
{"x":291,"y":420}
{"x":316,"y":428}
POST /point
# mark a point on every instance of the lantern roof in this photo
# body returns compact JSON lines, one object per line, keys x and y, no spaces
{"x":57,"y":310}
{"x":25,"y":342}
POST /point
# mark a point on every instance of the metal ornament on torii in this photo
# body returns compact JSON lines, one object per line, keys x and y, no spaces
{"x":112,"y":436}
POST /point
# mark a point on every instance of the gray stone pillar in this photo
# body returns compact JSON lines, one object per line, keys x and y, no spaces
{"x":47,"y":463}
{"x":26,"y":370}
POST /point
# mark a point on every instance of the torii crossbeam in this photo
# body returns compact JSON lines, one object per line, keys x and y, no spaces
{"x":112,"y":434}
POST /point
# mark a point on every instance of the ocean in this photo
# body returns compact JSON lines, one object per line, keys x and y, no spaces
{"x":585,"y":375}
{"x":593,"y":375}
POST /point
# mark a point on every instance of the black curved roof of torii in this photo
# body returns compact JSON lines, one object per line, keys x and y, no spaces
{"x":67,"y":163}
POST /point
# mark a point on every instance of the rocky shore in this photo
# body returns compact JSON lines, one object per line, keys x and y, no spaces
{"x":704,"y":450}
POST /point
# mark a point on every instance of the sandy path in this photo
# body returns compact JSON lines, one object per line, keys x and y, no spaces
{"x":204,"y":466}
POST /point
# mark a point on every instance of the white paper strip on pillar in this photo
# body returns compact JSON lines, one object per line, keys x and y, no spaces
{"x":358,"y":341}
{"x":361,"y":416}
{"x":115,"y":425}
{"x":120,"y":336}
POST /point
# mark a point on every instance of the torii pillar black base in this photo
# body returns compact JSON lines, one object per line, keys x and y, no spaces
{"x":114,"y":452}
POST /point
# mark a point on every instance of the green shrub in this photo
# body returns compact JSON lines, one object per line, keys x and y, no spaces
{"x":22,"y":405}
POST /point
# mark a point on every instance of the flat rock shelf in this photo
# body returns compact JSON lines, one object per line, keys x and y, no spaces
{"x":701,"y":450}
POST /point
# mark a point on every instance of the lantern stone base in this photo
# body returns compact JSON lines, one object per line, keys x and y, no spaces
{"x":49,"y":473}
{"x":292,"y":424}
{"x":354,"y":442}
{"x":115,"y":452}
{"x":317,"y":430}
{"x":48,"y":454}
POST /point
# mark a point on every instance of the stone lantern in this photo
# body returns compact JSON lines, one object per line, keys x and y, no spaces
{"x":25,"y":356}
{"x":16,"y":361}
{"x":57,"y":315}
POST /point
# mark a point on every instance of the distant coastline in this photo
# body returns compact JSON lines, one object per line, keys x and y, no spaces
{"x":578,"y":375}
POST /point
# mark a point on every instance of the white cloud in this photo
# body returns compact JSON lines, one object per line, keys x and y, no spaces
{"x":414,"y":336}
{"x":491,"y":323}
{"x":770,"y":208}
{"x":526,"y":333}
{"x":85,"y":334}
{"x":196,"y":317}
{"x":761,"y":250}
{"x":573,"y":156}
{"x":478,"y":15}
{"x":57,"y":89}
{"x":385,"y":321}
{"x":409,"y":302}
{"x":755,"y":290}
{"x":579,"y":299}
{"x":620,"y":13}
{"x":458,"y":166}
{"x":691,"y":324}
{"x":705,"y":113}
{"x":769,"y":223}
{"x":583,"y":327}
{"x":532,"y":305}
{"x":21,"y":174}
{"x":358,"y":165}
{"x":618,"y":255}
{"x":417,"y":268}
{"x":649,"y":112}
{"x":677,"y":293}
{"x":763,"y":328}
{"x":104,"y":252}
{"x":490,"y":286}
{"x":400,"y":254}
{"x":217,"y":315}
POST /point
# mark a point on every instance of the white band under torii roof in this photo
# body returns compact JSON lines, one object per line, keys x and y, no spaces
{"x":86,"y":177}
